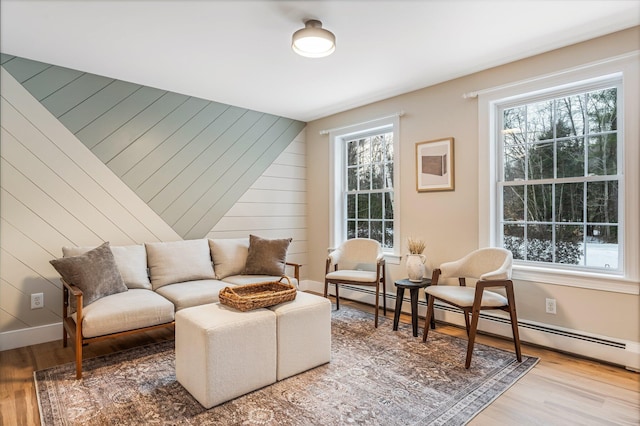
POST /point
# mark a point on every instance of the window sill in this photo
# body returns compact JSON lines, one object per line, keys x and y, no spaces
{"x":587,"y":280}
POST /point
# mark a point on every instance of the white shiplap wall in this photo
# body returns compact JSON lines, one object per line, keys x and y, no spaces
{"x":276,"y":204}
{"x":55,"y":192}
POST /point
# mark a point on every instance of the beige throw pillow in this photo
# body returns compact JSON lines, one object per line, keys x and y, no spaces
{"x":179,"y":261}
{"x":229,"y":256}
{"x":94,"y":272}
{"x":131,"y":261}
{"x":266,"y":257}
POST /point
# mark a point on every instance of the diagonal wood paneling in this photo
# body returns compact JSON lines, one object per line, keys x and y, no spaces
{"x":53,"y":192}
{"x":190,"y":159}
{"x":276,"y":204}
{"x":229,"y":186}
{"x":5,"y":58}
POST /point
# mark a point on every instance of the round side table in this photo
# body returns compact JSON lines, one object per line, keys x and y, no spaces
{"x":413,"y":287}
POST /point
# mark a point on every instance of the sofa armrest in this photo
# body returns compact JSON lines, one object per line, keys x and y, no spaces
{"x":73,"y":328}
{"x":70,"y":290}
{"x":296,"y":270}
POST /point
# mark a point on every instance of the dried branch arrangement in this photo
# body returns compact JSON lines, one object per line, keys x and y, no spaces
{"x":416,"y":246}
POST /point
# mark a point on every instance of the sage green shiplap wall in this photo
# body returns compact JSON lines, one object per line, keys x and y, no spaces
{"x":189,"y":159}
{"x":54,"y":191}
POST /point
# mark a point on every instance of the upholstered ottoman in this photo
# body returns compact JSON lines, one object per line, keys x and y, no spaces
{"x":222,"y":353}
{"x":304,"y":334}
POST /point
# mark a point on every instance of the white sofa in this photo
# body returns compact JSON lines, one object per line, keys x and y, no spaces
{"x":158,"y":279}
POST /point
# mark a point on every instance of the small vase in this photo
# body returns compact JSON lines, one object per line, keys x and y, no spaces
{"x":415,"y":267}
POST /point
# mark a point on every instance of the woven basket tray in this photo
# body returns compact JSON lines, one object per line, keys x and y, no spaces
{"x":258,"y":295}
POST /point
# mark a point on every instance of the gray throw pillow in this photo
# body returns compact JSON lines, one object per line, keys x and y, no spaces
{"x":131,"y":262}
{"x":94,"y":272}
{"x":266,"y":257}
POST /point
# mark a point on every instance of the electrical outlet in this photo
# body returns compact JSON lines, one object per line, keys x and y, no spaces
{"x":550,"y":306}
{"x":37,"y":300}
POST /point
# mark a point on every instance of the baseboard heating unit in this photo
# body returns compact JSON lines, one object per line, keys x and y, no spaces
{"x":577,"y":342}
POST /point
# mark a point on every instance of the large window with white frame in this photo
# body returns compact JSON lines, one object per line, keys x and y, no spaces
{"x":365,"y":183}
{"x":559,"y":177}
{"x":369,"y":187}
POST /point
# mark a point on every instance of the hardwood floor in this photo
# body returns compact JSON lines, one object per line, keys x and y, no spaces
{"x":560,"y":390}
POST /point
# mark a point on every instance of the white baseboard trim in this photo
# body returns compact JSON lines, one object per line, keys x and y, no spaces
{"x":30,"y":336}
{"x":50,"y":332}
{"x":308,"y":285}
{"x":603,"y":348}
{"x":616,"y":351}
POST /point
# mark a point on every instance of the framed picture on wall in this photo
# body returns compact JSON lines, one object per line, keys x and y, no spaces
{"x":434,"y":165}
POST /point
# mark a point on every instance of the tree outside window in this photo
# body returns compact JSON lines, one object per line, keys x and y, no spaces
{"x":559,"y":180}
{"x":369,"y":187}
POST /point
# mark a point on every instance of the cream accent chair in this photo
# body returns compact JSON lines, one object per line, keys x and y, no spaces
{"x":492,"y":268}
{"x":358,"y":261}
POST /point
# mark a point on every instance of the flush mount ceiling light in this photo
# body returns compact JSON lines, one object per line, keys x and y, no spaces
{"x":313,"y":41}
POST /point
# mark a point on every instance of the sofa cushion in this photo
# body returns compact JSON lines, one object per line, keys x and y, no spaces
{"x":178,"y":261}
{"x":131,"y":261}
{"x":229,"y":255}
{"x":192,"y":293}
{"x":253,"y":279}
{"x":94,"y":272}
{"x":266,"y":256}
{"x":133,"y":309}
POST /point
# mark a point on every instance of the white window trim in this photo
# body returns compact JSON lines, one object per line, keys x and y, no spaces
{"x":579,"y":88}
{"x":336,"y":179}
{"x":628,"y":67}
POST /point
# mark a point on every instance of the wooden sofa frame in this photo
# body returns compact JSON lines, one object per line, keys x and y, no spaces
{"x":73,"y":329}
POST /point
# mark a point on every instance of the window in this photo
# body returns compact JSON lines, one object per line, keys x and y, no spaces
{"x":542,"y":143}
{"x":365,"y":183}
{"x":369,"y":187}
{"x":559,"y":177}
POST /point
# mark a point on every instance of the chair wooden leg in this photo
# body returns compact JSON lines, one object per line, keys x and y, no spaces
{"x":384,"y":291}
{"x":466,"y":320}
{"x":326,"y":293}
{"x":377,"y":303}
{"x":475,"y":315}
{"x":514,"y":322}
{"x":427,"y":319}
{"x":516,"y":335}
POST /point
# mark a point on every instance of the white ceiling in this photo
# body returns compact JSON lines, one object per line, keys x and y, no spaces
{"x":238,"y":52}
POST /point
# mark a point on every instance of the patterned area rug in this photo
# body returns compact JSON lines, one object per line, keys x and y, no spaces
{"x":375,"y":377}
